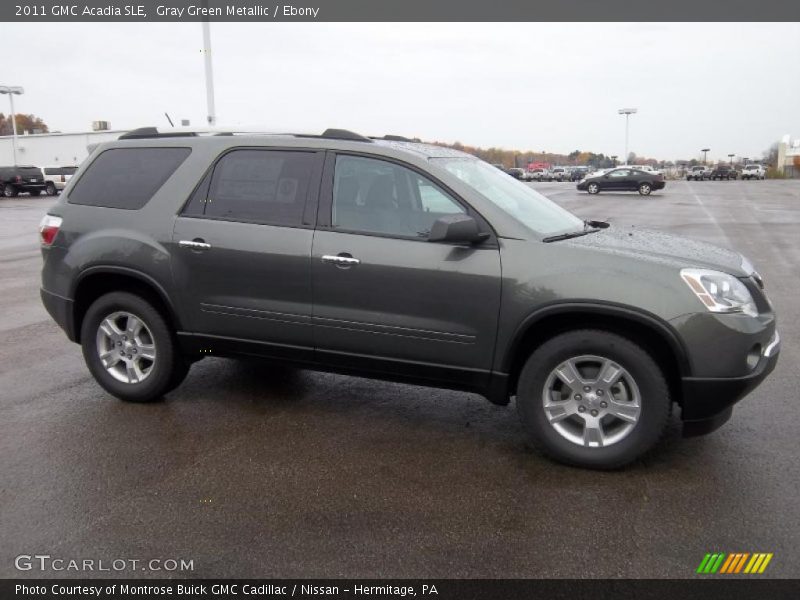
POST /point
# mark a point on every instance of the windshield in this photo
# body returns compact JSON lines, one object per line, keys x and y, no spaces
{"x":515,"y":198}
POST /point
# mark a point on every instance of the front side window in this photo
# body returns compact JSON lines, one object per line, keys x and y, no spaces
{"x":260,"y":186}
{"x":619,"y":173}
{"x":379,"y":197}
{"x":520,"y":201}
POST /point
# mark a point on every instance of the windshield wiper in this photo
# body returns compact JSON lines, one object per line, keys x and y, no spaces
{"x":588,"y":227}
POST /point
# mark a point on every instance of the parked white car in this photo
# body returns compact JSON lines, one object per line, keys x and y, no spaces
{"x":56,"y":178}
{"x":754,"y":172}
{"x":646,"y":168}
{"x":540,"y":175}
{"x":698,"y":173}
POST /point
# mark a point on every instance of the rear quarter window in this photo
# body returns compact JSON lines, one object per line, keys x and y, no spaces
{"x":126,"y":178}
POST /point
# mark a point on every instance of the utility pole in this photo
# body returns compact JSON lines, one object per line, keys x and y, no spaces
{"x":13,"y":90}
{"x":627,"y":112}
{"x":212,"y":114}
{"x":705,"y":152}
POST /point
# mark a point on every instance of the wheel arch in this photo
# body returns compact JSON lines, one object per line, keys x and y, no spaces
{"x":96,"y":281}
{"x":649,"y":331}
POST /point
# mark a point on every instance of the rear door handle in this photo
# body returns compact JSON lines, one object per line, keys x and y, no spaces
{"x":195,"y":244}
{"x":341,"y":260}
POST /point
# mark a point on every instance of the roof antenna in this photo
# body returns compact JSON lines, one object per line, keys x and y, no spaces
{"x":170,"y":120}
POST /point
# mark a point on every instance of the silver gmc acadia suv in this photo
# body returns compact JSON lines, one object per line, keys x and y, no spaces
{"x":398,"y":260}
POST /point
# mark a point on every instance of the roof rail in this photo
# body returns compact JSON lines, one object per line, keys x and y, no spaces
{"x":394,"y":138}
{"x":153,"y":132}
{"x":156,"y":132}
{"x":344,"y":134}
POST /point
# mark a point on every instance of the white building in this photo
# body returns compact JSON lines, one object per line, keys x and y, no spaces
{"x":789,"y":156}
{"x":53,"y":149}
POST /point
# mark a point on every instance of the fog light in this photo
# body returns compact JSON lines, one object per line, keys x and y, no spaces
{"x":754,"y":356}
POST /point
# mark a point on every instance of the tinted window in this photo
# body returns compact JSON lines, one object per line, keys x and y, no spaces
{"x":374,"y":196}
{"x":262,"y":186}
{"x":126,"y":177}
{"x":60,"y":170}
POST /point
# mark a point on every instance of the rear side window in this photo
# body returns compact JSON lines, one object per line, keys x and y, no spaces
{"x":127,"y":177}
{"x":261,"y":186}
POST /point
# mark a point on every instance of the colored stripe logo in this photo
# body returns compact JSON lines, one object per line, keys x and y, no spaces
{"x":734,"y":563}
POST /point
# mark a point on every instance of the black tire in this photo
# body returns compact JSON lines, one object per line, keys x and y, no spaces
{"x":50,"y":188}
{"x":645,"y":188}
{"x":9,"y":191}
{"x":167,"y":371}
{"x":655,"y":399}
{"x":593,"y":188}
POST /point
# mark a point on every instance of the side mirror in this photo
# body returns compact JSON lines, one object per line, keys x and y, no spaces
{"x":457,"y":229}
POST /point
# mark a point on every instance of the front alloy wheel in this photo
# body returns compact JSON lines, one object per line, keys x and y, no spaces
{"x":593,"y":398}
{"x":591,"y":401}
{"x":593,"y":188}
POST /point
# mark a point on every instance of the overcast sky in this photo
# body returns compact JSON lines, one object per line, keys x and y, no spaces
{"x":528,"y":86}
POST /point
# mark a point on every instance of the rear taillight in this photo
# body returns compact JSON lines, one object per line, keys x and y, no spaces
{"x":17,"y":179}
{"x":63,"y":179}
{"x":48,"y":229}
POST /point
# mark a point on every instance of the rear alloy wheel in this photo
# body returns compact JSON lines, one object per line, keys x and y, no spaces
{"x":9,"y":191}
{"x":50,"y":189}
{"x":645,"y":189}
{"x":593,"y":188}
{"x":129,"y":348}
{"x":593,"y":399}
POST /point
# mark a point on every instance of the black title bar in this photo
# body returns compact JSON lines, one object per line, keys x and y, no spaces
{"x":741,"y":588}
{"x":399,"y":10}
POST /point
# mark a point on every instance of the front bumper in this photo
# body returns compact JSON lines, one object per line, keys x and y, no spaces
{"x":708,"y":402}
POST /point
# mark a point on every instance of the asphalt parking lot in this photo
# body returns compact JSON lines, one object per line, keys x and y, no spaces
{"x":251,"y":471}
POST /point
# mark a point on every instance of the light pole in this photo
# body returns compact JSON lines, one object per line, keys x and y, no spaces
{"x":212,"y":114}
{"x":614,"y":159}
{"x":13,"y":90}
{"x":731,"y":157}
{"x":705,"y":152}
{"x":627,"y":112}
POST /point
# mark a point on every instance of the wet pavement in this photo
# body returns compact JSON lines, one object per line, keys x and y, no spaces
{"x":254,"y":471}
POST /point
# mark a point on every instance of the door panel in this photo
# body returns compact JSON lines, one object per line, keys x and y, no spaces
{"x":406,"y":300}
{"x":381,"y":290}
{"x":617,"y":180}
{"x":241,"y":252}
{"x":252,"y":283}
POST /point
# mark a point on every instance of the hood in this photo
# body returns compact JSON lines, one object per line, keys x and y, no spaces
{"x":664,"y":248}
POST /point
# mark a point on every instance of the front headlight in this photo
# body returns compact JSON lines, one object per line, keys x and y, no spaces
{"x":720,"y":292}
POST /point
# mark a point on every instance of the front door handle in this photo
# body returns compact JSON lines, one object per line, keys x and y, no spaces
{"x":195,"y":244}
{"x":340,"y":260}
